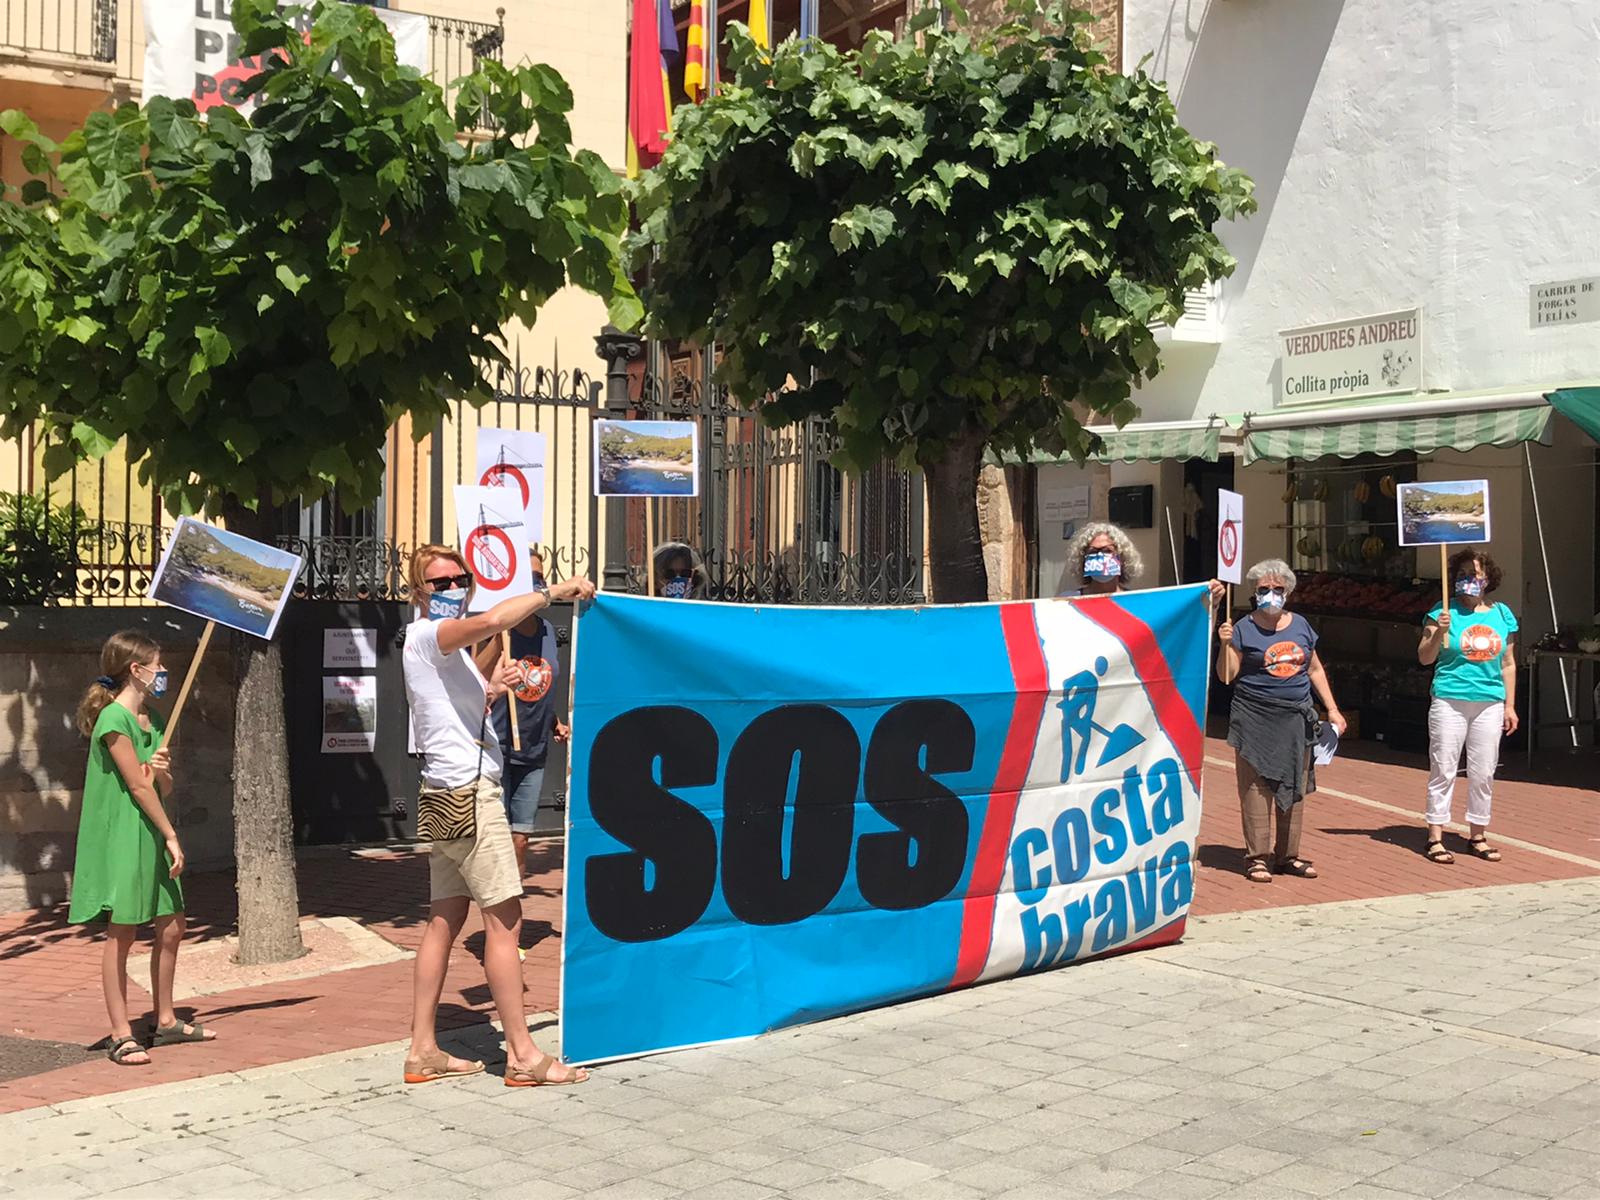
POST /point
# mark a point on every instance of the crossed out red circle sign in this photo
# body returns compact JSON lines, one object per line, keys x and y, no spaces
{"x":490,"y":556}
{"x":1228,"y":543}
{"x":504,"y":475}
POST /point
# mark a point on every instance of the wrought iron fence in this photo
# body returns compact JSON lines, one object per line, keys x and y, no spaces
{"x":85,"y":29}
{"x":455,"y":47}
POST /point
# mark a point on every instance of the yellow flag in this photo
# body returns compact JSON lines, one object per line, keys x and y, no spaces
{"x":758,"y":24}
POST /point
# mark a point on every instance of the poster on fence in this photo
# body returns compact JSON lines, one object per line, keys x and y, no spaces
{"x":936,"y":796}
{"x":192,"y":51}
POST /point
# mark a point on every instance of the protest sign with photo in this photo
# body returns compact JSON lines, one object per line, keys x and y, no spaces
{"x":514,"y":459}
{"x":1443,"y":512}
{"x":646,"y":458}
{"x":225,"y":577}
{"x":494,"y":541}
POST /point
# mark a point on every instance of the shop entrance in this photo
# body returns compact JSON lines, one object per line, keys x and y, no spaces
{"x":1201,"y":479}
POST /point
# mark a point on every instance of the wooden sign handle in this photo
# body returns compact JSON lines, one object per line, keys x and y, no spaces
{"x":650,"y":546}
{"x":1444,"y":579}
{"x":188,"y":682}
{"x":1226,"y":650}
{"x":511,"y":696}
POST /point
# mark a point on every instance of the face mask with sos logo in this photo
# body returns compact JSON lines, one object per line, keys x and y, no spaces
{"x":1469,"y":587}
{"x":158,"y":684}
{"x":447,"y":605}
{"x":677,"y":588}
{"x":1102,"y":564}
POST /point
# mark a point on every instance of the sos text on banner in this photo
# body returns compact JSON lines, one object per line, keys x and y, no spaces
{"x":494,"y":543}
{"x":781,"y":814}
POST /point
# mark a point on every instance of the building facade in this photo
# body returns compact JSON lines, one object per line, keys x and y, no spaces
{"x":1423,"y":270}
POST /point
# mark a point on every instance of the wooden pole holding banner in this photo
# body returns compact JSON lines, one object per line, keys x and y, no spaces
{"x":1172,"y":545}
{"x":188,"y":682}
{"x":650,"y":546}
{"x":1227,"y":657}
{"x":1444,"y":578}
{"x":511,"y":696}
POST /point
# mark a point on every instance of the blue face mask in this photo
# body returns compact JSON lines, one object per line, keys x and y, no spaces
{"x":1101,"y":564}
{"x":158,"y":683}
{"x":1469,"y":587}
{"x":677,"y":589}
{"x":1272,"y":600}
{"x":539,"y":584}
{"x":443,"y":606}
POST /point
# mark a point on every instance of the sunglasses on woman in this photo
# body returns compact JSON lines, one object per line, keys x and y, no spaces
{"x":440,"y":583}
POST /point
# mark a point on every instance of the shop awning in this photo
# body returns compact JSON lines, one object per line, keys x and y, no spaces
{"x":1581,"y":406}
{"x":1348,"y":433}
{"x":1146,"y":443}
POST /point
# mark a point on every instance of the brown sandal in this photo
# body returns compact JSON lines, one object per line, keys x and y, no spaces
{"x":1301,"y":868}
{"x":538,"y":1075}
{"x":1256,"y":871}
{"x":435,"y":1067}
{"x":1438,"y":854}
{"x":1480,"y":846}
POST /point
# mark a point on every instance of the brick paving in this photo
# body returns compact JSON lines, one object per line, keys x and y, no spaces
{"x":49,"y":971}
{"x":1420,"y":1046}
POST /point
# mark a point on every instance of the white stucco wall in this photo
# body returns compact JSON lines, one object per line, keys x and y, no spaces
{"x":1405,"y":152}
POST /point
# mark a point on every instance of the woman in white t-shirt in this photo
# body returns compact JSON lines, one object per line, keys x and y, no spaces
{"x":449,"y":700}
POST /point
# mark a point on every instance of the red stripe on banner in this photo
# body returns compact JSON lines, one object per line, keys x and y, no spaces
{"x":1172,"y":711}
{"x":1032,"y":680}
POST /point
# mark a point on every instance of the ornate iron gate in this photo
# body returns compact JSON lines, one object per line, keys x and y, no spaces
{"x":775,"y":521}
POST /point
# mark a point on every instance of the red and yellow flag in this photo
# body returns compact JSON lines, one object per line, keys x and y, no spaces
{"x":649,"y":114}
{"x":694,"y":63}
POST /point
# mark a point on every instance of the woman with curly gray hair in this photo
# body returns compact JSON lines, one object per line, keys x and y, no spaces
{"x":1271,"y":659}
{"x":1103,"y":557}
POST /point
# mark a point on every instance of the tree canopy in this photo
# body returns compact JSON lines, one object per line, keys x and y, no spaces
{"x":943,"y":242}
{"x":252,"y":302}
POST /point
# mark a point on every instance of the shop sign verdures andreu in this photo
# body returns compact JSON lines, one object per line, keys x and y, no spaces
{"x":1348,"y":360}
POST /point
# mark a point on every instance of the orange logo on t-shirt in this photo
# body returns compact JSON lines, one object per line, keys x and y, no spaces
{"x":536,"y":679}
{"x":1480,"y":643}
{"x":1284,"y":660}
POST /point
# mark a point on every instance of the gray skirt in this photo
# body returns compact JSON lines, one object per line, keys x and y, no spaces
{"x":1275,"y":737}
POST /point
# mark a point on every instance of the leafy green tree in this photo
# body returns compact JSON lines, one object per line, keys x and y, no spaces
{"x":946,"y":243}
{"x":250,"y":303}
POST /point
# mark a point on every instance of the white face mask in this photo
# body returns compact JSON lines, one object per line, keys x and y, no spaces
{"x":1271,"y":601}
{"x":445,"y":605}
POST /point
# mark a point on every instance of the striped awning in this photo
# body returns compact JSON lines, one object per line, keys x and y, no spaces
{"x":1134,"y":444}
{"x":1581,"y":406}
{"x":1448,"y":431}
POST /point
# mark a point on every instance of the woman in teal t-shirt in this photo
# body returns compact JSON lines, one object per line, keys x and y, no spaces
{"x":1474,"y":696}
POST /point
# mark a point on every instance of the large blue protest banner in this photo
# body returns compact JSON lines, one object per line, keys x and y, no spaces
{"x":780,"y":814}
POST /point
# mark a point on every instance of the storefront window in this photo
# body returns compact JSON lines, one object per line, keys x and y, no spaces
{"x":1343,"y":538}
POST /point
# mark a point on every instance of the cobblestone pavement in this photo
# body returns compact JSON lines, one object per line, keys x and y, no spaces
{"x":1439,"y":1045}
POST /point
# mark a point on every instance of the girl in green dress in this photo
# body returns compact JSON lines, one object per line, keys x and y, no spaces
{"x":129,"y":859}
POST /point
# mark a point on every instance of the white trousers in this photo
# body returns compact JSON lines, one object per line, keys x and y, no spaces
{"x":1452,"y":724}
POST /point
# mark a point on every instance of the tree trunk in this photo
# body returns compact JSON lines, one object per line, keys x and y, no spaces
{"x":955,"y":545}
{"x":263,"y":827}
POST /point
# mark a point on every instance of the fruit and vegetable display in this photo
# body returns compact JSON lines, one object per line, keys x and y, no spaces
{"x":1384,"y":599}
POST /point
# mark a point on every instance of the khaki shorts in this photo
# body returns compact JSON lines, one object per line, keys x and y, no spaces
{"x":482,"y":867}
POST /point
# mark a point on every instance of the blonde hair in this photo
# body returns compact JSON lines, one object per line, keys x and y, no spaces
{"x":121,"y":651}
{"x":1132,"y":561}
{"x":416,"y":569}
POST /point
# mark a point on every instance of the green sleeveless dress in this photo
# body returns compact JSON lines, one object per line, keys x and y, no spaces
{"x":121,"y":872}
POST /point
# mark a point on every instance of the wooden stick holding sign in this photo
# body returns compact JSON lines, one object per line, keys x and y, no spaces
{"x":511,"y":696}
{"x":188,"y":682}
{"x":226,"y":578}
{"x":650,"y":547}
{"x":1230,"y":556}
